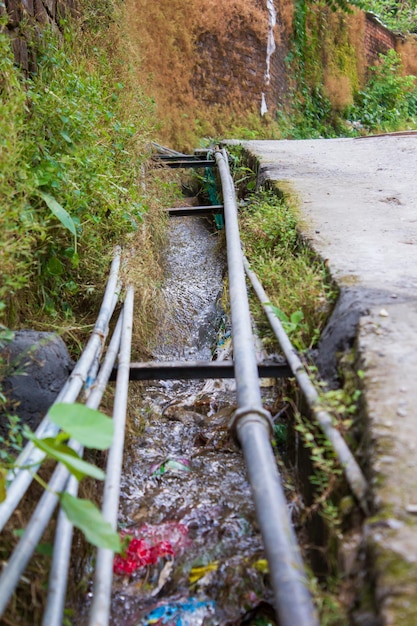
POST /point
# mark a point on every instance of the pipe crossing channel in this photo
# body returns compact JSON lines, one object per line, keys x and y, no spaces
{"x":251,"y":425}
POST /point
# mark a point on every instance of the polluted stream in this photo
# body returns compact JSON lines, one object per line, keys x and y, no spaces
{"x":194,"y":554}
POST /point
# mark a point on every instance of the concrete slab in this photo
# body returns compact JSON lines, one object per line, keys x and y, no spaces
{"x":357,"y":200}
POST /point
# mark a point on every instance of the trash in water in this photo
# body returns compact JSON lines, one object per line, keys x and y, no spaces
{"x":174,"y":532}
{"x":171,"y":465}
{"x":199,"y":572}
{"x":149,"y":545}
{"x":191,"y":612}
{"x":140,"y":554}
{"x":262,"y":566}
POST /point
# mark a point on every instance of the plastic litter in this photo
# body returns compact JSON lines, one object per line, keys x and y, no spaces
{"x":199,"y":572}
{"x":191,"y":612}
{"x":171,"y":465}
{"x":149,"y":545}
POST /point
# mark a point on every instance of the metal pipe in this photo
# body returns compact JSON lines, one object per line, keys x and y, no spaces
{"x":31,"y":537}
{"x":21,"y":478}
{"x":353,"y":473}
{"x":58,"y":575}
{"x":55,"y":604}
{"x":293,"y":602}
{"x":100,"y":609}
{"x":164,"y":149}
{"x":45,"y":508}
{"x":199,"y":370}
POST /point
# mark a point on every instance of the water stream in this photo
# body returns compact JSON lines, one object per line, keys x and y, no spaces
{"x":270,"y":49}
{"x":196,"y":556}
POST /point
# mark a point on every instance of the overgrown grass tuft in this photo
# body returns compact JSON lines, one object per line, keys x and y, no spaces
{"x":71,"y":154}
{"x":296,"y":282}
{"x":389,"y":100}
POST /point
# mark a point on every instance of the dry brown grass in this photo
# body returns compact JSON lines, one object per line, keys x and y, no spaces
{"x":142,"y":260}
{"x":166,"y":33}
{"x":408,"y":50}
{"x":338,"y":87}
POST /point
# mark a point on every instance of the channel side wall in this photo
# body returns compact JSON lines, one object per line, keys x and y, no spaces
{"x":356,"y":204}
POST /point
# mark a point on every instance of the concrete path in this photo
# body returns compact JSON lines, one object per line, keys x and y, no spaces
{"x":357,"y":200}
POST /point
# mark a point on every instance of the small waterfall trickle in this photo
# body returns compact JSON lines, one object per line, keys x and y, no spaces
{"x":270,"y":49}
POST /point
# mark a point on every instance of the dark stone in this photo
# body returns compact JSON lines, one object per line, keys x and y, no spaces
{"x":37,"y":366}
{"x":20,"y":51}
{"x":28,"y":5}
{"x":14,"y":12}
{"x":340,"y":332}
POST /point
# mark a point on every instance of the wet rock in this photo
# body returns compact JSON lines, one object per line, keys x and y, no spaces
{"x":37,"y":365}
{"x":179,"y":413}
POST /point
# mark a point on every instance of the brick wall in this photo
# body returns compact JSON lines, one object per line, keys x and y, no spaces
{"x":230,"y":72}
{"x":378,"y":39}
{"x":25,"y":18}
{"x":233,"y":71}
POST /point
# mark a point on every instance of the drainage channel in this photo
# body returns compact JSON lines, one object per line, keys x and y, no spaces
{"x":197,"y":531}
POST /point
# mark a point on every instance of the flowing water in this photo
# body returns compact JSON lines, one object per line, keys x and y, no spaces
{"x":196,"y":556}
{"x":270,"y":49}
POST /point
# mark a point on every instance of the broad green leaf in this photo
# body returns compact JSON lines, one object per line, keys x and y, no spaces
{"x":61,"y":437}
{"x":66,"y":137}
{"x":280,"y":314}
{"x":297,"y":317}
{"x":57,"y":450}
{"x":88,"y":426}
{"x":60,"y":213}
{"x":54,"y":266}
{"x":84,"y":515}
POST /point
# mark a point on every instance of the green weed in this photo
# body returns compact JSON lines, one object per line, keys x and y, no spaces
{"x":296,"y":282}
{"x":397,"y":15}
{"x":70,"y":159}
{"x":389,"y":100}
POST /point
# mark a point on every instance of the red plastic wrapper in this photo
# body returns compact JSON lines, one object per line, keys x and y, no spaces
{"x":150,"y":544}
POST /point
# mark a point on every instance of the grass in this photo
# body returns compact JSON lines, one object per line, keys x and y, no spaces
{"x":70,"y":164}
{"x":389,"y":100}
{"x":75,"y":179}
{"x":297,"y":283}
{"x":299,"y":287}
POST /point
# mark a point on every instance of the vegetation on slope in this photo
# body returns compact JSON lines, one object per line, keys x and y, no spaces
{"x":324,"y":60}
{"x":398,"y":15}
{"x":72,"y":144}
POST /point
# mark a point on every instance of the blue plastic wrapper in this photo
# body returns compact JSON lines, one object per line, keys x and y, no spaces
{"x":188,"y":613}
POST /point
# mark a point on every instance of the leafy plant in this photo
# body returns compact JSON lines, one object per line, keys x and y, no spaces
{"x":244,"y":177}
{"x":397,"y":15}
{"x":389,"y":100}
{"x":90,"y":428}
{"x":293,"y":324}
{"x":326,"y":473}
{"x":70,"y":159}
{"x":296,"y":282}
